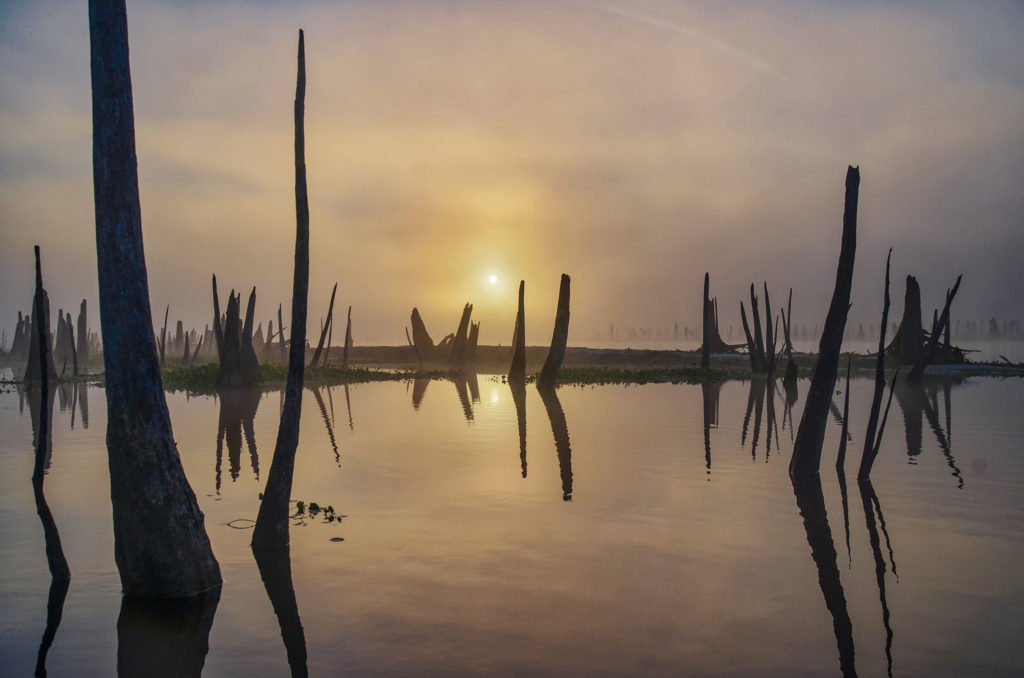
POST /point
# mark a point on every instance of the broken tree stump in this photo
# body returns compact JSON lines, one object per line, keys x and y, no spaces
{"x":559,"y":337}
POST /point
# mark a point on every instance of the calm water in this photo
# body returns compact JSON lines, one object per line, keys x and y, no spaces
{"x":627,"y":539}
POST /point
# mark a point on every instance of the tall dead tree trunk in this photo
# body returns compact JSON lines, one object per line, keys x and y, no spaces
{"x":559,"y":338}
{"x":160,"y":543}
{"x":218,"y":329}
{"x":517,"y":370}
{"x":271,"y":530}
{"x":758,"y":337}
{"x":811,"y":433}
{"x":250,"y":364}
{"x":755,"y":363}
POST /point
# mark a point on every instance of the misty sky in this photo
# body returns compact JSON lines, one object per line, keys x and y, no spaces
{"x":631,"y":144}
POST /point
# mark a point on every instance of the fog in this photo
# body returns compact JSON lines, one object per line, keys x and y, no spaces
{"x":632,"y":145}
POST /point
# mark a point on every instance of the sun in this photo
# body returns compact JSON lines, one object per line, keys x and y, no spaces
{"x":493,"y":279}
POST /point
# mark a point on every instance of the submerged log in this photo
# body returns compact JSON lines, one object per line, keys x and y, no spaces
{"x":271,"y":530}
{"x":160,"y":543}
{"x":517,"y":370}
{"x":810,"y":434}
{"x":559,"y":338}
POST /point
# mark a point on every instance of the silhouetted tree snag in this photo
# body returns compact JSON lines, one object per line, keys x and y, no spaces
{"x":165,"y":638}
{"x":271,"y":530}
{"x":758,"y":337}
{"x":187,"y":354}
{"x":160,"y":544}
{"x":457,"y":354}
{"x":39,"y":352}
{"x":770,"y":334}
{"x":415,"y":348}
{"x":275,"y":568}
{"x":867,"y":457}
{"x":841,"y":457}
{"x":909,"y":338}
{"x":471,"y":343}
{"x":517,"y":370}
{"x":195,"y":354}
{"x":71,"y":343}
{"x":163,"y":336}
{"x":705,"y":349}
{"x":556,"y":415}
{"x":933,"y":341}
{"x":811,"y":502}
{"x":280,"y":334}
{"x":348,"y":340}
{"x":323,"y":332}
{"x":559,"y":337}
{"x":179,"y":334}
{"x":218,"y":330}
{"x":811,"y":432}
{"x":55,"y":559}
{"x":421,"y":338}
{"x":755,"y":364}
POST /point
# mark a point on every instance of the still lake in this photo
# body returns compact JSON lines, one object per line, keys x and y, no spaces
{"x":641,"y":530}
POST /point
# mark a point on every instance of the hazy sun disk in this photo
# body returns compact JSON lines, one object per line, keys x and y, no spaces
{"x":493,"y":279}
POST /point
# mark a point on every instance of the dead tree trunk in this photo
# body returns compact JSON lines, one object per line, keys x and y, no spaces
{"x":705,"y":353}
{"x":867,"y":457}
{"x":271,"y":529}
{"x":186,"y":355}
{"x":517,"y":370}
{"x":933,"y":341}
{"x":758,"y":337}
{"x":160,"y":543}
{"x":249,"y":363}
{"x":218,"y":329}
{"x":471,"y":343}
{"x":39,"y":352}
{"x":420,"y":338}
{"x":457,"y":355}
{"x":348,"y":340}
{"x":163,"y":337}
{"x":559,"y":338}
{"x":323,"y":332}
{"x":83,"y":335}
{"x":755,"y":365}
{"x":911,"y":334}
{"x":811,"y":433}
{"x":280,"y":333}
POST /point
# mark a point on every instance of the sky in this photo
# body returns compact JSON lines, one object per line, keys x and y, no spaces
{"x":633,"y":145}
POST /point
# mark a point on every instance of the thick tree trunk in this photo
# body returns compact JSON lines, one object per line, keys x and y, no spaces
{"x":271,"y":529}
{"x":160,"y":543}
{"x":911,"y":334}
{"x":811,"y":433}
{"x":471,"y":343}
{"x":517,"y":370}
{"x":559,"y":338}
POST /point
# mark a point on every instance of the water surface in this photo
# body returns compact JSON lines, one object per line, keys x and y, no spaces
{"x":631,"y":530}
